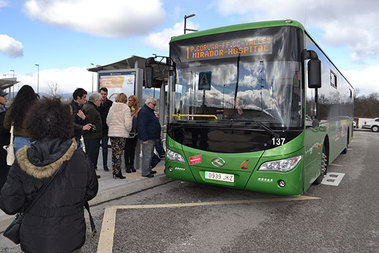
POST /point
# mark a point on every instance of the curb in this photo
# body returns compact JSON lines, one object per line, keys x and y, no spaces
{"x":128,"y":189}
{"x":109,"y":194}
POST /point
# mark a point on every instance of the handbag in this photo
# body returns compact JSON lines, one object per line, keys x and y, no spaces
{"x":10,"y":149}
{"x":13,"y":230}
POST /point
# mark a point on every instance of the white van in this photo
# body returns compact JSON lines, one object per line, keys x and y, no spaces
{"x":372,"y":124}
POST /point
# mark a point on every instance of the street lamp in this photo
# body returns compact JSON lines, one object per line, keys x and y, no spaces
{"x":37,"y":77}
{"x":92,"y":76}
{"x":185,"y":23}
{"x":13,"y":85}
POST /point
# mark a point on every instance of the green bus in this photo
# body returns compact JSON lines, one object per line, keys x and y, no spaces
{"x":256,"y":106}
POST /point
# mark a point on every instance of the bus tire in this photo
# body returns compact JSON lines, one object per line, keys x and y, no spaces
{"x":347,"y":143}
{"x":324,"y":166}
{"x":375,"y":129}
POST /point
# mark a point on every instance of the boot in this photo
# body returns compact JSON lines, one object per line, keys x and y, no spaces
{"x":118,"y":175}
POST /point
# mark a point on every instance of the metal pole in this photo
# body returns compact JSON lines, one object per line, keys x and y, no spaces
{"x":185,"y":24}
{"x":10,"y":94}
{"x":92,"y":77}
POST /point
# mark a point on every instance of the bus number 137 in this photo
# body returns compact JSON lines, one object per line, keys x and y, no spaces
{"x":278,"y":141}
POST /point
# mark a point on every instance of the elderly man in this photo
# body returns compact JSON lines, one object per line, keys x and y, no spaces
{"x":149,"y":131}
{"x":93,"y":136}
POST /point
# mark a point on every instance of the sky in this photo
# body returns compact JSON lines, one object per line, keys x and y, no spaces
{"x":65,"y":37}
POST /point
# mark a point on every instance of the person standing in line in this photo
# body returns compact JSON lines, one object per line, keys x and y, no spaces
{"x":24,"y":99}
{"x":80,"y":120}
{"x":93,"y":136}
{"x":56,"y":222}
{"x":104,"y":109}
{"x":120,"y":123}
{"x":149,"y":131}
{"x":131,"y":141}
{"x":4,"y":140}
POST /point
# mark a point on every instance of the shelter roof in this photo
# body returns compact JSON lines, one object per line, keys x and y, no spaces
{"x":7,"y":82}
{"x":128,"y":63}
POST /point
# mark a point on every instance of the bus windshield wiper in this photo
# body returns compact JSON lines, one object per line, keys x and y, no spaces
{"x":267,"y":128}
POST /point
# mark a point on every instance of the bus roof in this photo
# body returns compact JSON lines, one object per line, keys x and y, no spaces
{"x":239,"y":27}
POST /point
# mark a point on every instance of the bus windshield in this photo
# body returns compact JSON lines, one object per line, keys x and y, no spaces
{"x":263,"y":91}
{"x":245,"y":80}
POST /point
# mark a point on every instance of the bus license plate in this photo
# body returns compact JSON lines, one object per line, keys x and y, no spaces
{"x":219,"y":176}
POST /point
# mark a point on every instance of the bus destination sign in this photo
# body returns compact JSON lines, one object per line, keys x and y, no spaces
{"x":230,"y":48}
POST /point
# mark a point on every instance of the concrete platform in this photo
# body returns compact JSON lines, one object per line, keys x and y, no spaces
{"x":112,"y":188}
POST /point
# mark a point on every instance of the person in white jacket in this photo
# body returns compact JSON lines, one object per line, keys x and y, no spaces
{"x":119,"y":122}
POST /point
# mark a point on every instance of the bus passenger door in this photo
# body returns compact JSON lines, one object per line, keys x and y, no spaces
{"x":312,"y":160}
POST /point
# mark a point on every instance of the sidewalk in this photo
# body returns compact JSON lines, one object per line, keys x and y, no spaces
{"x":110,"y":188}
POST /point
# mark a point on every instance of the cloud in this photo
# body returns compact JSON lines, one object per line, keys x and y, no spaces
{"x":3,"y":3}
{"x":161,"y":40}
{"x":10,"y":46}
{"x":366,"y":80}
{"x":67,"y":80}
{"x":344,"y":22}
{"x":112,"y":18}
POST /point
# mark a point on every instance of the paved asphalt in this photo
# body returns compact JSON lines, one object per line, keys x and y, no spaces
{"x":344,"y":219}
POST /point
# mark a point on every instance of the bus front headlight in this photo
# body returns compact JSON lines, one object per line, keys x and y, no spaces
{"x":173,"y":156}
{"x":282,"y":165}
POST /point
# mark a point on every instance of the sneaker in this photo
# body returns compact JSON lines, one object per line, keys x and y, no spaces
{"x":98,"y":176}
{"x":106,"y":168}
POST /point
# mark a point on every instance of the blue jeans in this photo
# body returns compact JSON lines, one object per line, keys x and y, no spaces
{"x":104,"y":148}
{"x":147,"y":154}
{"x":20,"y":142}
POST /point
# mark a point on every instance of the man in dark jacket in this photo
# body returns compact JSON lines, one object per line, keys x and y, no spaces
{"x":149,"y":131}
{"x":93,"y":136}
{"x":80,"y":121}
{"x":104,"y":109}
{"x":4,"y":140}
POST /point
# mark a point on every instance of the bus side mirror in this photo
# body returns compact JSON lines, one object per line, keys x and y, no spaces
{"x":314,"y":73}
{"x":149,"y":72}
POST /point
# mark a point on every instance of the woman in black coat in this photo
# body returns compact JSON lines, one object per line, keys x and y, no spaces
{"x":56,"y":222}
{"x":4,"y":140}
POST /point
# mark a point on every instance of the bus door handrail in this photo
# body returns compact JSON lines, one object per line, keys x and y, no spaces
{"x":195,"y":115}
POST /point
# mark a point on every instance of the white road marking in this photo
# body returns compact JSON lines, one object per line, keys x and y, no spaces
{"x":338,"y":165}
{"x":105,"y":244}
{"x":107,"y":230}
{"x":333,"y":178}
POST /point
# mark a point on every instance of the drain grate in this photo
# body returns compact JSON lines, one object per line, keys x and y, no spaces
{"x":333,"y":178}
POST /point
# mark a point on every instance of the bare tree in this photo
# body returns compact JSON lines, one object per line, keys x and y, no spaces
{"x":366,"y":106}
{"x":53,"y":89}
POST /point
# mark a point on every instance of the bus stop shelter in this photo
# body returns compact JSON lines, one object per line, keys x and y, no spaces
{"x":8,"y":83}
{"x":128,"y":76}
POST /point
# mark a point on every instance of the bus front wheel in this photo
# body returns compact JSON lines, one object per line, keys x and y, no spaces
{"x":324,"y":166}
